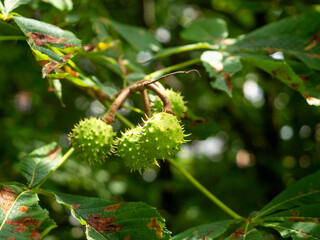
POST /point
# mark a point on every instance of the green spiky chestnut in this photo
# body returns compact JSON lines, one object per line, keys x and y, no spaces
{"x":92,"y":139}
{"x":129,"y":149}
{"x":178,"y":105}
{"x":162,"y":136}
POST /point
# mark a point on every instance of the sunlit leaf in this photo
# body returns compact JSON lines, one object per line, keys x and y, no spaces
{"x":62,"y":5}
{"x":210,"y":231}
{"x":296,"y":35}
{"x":221,"y":66}
{"x":110,"y":220}
{"x":211,"y":30}
{"x":52,"y":46}
{"x":21,"y":217}
{"x":9,"y":5}
{"x":38,"y":164}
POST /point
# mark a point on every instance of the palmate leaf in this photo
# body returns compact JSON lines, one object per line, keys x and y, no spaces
{"x":221,"y":66}
{"x":51,"y":46}
{"x":211,"y":30}
{"x":297,"y":35}
{"x":21,"y":217}
{"x":38,"y":164}
{"x":215,"y":230}
{"x":110,"y":220}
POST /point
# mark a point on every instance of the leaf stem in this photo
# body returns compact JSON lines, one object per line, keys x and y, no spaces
{"x":63,"y":159}
{"x":6,"y":38}
{"x":172,"y":68}
{"x":205,"y":191}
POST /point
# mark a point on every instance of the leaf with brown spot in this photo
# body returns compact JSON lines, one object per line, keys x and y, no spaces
{"x":314,"y":41}
{"x":7,"y":198}
{"x":51,"y":45}
{"x":41,"y":39}
{"x":215,"y":230}
{"x":153,"y":224}
{"x":39,"y":163}
{"x":23,"y":209}
{"x":17,"y":220}
{"x":110,"y":220}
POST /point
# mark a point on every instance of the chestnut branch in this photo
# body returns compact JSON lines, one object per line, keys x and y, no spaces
{"x":141,"y":86}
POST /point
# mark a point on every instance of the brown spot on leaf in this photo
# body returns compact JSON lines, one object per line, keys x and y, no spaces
{"x":23,"y":209}
{"x":153,"y":224}
{"x":103,"y":224}
{"x":52,"y":65}
{"x":297,"y":219}
{"x":313,"y":56}
{"x":75,"y":206}
{"x":195,"y":232}
{"x":227,"y":81}
{"x":315,"y":220}
{"x":314,"y":40}
{"x":207,"y":234}
{"x":11,"y":238}
{"x":68,"y":45}
{"x":7,"y":197}
{"x":66,"y":57}
{"x":304,"y":236}
{"x":128,"y":237}
{"x":113,"y":208}
{"x":41,"y":39}
{"x":52,"y":154}
{"x":22,"y":226}
{"x":296,"y":213}
{"x":237,"y":234}
{"x":304,"y":78}
{"x":43,"y":62}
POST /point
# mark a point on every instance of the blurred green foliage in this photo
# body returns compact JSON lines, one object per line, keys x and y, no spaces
{"x":245,"y":149}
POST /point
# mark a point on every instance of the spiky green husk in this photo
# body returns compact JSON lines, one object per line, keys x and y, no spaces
{"x":176,"y":100}
{"x":162,"y":136}
{"x":92,"y":139}
{"x":129,"y":149}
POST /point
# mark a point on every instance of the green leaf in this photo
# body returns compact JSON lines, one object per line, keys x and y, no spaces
{"x":301,"y":193}
{"x":221,"y":66}
{"x":211,"y":30}
{"x":297,"y":230}
{"x":110,"y":220}
{"x":278,"y":69}
{"x":180,"y":49}
{"x":297,"y":35}
{"x":52,"y":46}
{"x":21,"y":217}
{"x":38,"y":164}
{"x":251,"y":234}
{"x":138,"y":37}
{"x":9,"y":5}
{"x":62,"y":5}
{"x":56,"y":87}
{"x":210,"y":231}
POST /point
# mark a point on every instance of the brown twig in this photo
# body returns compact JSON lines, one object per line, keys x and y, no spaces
{"x":146,"y":104}
{"x":109,"y":118}
{"x":141,"y":86}
{"x":167,"y":107}
{"x":173,"y":73}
